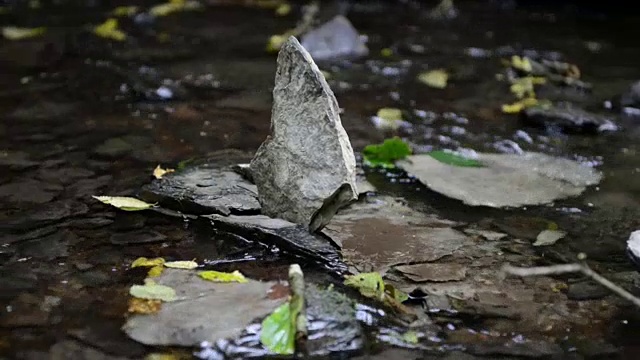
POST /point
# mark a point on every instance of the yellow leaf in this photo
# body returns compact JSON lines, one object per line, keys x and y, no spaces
{"x":153,"y":291}
{"x":124,"y":11}
{"x":173,"y":6}
{"x":275,"y":43}
{"x":518,"y":106}
{"x":109,"y":30}
{"x":159,"y":172}
{"x":521,"y":63}
{"x":434,"y":78}
{"x":143,"y":261}
{"x":190,"y":264}
{"x":386,"y":52}
{"x":390,"y":114}
{"x":155,"y":271}
{"x":17,"y":33}
{"x":217,"y":276}
{"x":283,"y":9}
{"x":144,"y":306}
{"x":124,"y":203}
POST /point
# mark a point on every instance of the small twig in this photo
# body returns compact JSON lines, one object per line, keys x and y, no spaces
{"x":571,"y":268}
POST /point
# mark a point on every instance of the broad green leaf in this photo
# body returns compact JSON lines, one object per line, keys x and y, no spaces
{"x":17,"y":33}
{"x":278,"y":330}
{"x":124,"y":203}
{"x":143,"y":261}
{"x":151,"y":290}
{"x":387,"y":153}
{"x":450,"y":158}
{"x":189,"y":264}
{"x":217,"y":276}
{"x":434,"y":78}
{"x":369,"y":284}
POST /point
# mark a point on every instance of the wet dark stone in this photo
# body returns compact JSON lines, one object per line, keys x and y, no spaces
{"x":568,"y":118}
{"x":47,"y":248}
{"x":65,"y":176}
{"x":632,"y":96}
{"x":128,"y":221}
{"x":586,"y":290}
{"x":90,"y":223}
{"x":26,"y":311}
{"x":137,"y":237}
{"x":83,"y":266}
{"x":287,"y":236}
{"x":529,"y":349}
{"x":95,"y":278}
{"x":13,"y":281}
{"x":16,"y":160}
{"x":29,"y":235}
{"x":29,"y":191}
{"x":108,"y":338}
{"x":45,"y":215}
{"x":117,"y":147}
{"x":85,"y":188}
{"x":44,"y":110}
{"x":204,"y":189}
{"x":71,"y":349}
{"x":105,"y":256}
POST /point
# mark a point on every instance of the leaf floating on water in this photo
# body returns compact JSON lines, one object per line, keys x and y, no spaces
{"x":109,"y":30}
{"x":369,"y":284}
{"x":410,"y":337}
{"x":153,"y":291}
{"x":387,"y":153}
{"x":155,"y":271}
{"x":159,"y":172}
{"x":217,"y":276}
{"x":17,"y":33}
{"x":187,"y":265}
{"x":434,"y":78}
{"x":144,"y":306}
{"x":143,"y":261}
{"x":549,"y":237}
{"x":124,"y":11}
{"x":279,"y":330}
{"x":451,"y":158}
{"x":124,"y":203}
{"x":275,"y":43}
{"x":521,"y":63}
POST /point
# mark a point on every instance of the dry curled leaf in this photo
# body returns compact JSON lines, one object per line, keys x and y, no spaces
{"x":144,"y":306}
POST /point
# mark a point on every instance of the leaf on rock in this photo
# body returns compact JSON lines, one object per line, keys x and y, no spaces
{"x":396,"y":294}
{"x":144,"y":306}
{"x":217,"y":276}
{"x":18,"y":33}
{"x":124,"y":203}
{"x":109,"y":30}
{"x":153,"y":291}
{"x":387,"y":153}
{"x":410,"y":337}
{"x":451,"y":158}
{"x":521,"y":63}
{"x":159,"y":172}
{"x":155,"y":271}
{"x":434,"y":78}
{"x":143,"y":261}
{"x":279,"y":330}
{"x":187,"y":265}
{"x":369,"y":284}
{"x":549,"y":237}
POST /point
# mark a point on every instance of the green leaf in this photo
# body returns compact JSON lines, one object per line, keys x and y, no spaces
{"x":124,"y":203}
{"x":151,"y":290}
{"x":279,"y":330}
{"x":185,"y":264}
{"x":369,"y":284}
{"x":387,"y":153}
{"x":450,"y":158}
{"x":217,"y":276}
{"x":434,"y":78}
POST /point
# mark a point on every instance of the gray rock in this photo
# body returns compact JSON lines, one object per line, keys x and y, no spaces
{"x":305,"y":171}
{"x":505,"y":180}
{"x":586,"y":290}
{"x":46,"y":214}
{"x":29,"y":191}
{"x":204,"y":189}
{"x":334,"y":39}
{"x":632,"y":96}
{"x":285,"y":235}
{"x":205,"y":311}
{"x":143,"y":236}
{"x":568,"y":118}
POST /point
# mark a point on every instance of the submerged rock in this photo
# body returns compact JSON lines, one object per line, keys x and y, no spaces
{"x":285,"y":235}
{"x":568,"y":118}
{"x":305,"y":171}
{"x":205,"y":189}
{"x":334,"y":39}
{"x":504,"y":179}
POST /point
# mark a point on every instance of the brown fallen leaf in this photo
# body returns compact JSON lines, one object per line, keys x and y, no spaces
{"x":144,"y":306}
{"x":159,"y":172}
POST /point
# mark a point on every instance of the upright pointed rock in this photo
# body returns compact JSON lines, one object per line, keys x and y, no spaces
{"x":305,"y":170}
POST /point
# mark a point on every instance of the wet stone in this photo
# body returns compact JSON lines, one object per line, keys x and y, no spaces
{"x":16,"y":160}
{"x":528,"y":349}
{"x":433,"y":272}
{"x":336,"y":38}
{"x":29,"y":235}
{"x":90,"y":223}
{"x":45,"y":215}
{"x":568,"y":118}
{"x":13,"y":282}
{"x":287,"y":236}
{"x":204,"y":189}
{"x":29,"y":191}
{"x":143,"y":236}
{"x":26,"y":311}
{"x":586,"y":290}
{"x":120,"y":146}
{"x":47,"y":248}
{"x":64,"y":176}
{"x":305,"y":170}
{"x":108,"y":338}
{"x":95,"y":278}
{"x":71,"y":349}
{"x":43,"y":110}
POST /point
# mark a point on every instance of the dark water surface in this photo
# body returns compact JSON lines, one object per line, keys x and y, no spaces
{"x":82,"y":116}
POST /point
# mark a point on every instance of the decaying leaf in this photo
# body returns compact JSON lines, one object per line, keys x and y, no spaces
{"x":549,"y":237}
{"x":155,"y":271}
{"x":217,"y":276}
{"x":434,"y":78}
{"x":385,"y":154}
{"x":519,"y":105}
{"x":188,"y":264}
{"x":151,"y":290}
{"x":18,"y":33}
{"x":124,"y":11}
{"x":521,"y":63}
{"x":144,"y":306}
{"x":369,"y":284}
{"x":159,"y":172}
{"x":454,"y":159}
{"x":124,"y":203}
{"x":279,"y":330}
{"x":143,"y":261}
{"x":109,"y":30}
{"x":173,"y":6}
